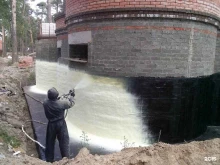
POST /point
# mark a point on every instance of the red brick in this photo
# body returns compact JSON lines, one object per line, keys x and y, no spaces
{"x":76,"y":6}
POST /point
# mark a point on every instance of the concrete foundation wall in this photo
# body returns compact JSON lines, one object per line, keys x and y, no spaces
{"x":152,"y":48}
{"x":217,"y":54}
{"x":65,"y":48}
{"x":46,"y":49}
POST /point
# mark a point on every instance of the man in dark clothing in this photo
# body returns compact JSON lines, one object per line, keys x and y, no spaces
{"x":54,"y":111}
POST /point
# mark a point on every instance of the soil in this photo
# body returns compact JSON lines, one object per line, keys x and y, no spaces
{"x":13,"y":108}
{"x":194,"y":153}
{"x":14,"y":112}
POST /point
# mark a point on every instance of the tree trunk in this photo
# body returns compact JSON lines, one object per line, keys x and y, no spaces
{"x":49,"y":16}
{"x":14,"y":33}
{"x":57,"y":8}
{"x":3,"y":42}
{"x":32,"y":41}
{"x":24,"y":7}
{"x":22,"y":47}
{"x":31,"y":35}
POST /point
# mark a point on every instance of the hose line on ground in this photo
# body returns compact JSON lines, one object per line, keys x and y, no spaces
{"x":31,"y":137}
{"x":33,"y":98}
{"x":36,"y":122}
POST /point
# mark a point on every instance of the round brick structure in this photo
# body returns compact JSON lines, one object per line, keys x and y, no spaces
{"x":74,"y":7}
{"x":165,"y":51}
{"x":153,"y":38}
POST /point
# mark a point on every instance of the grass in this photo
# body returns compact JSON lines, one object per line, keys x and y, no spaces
{"x":84,"y":139}
{"x":126,"y":144}
{"x":13,"y":141}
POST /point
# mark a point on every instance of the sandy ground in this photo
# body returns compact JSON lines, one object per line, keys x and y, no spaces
{"x":14,"y":112}
{"x":194,"y":153}
{"x":13,"y":108}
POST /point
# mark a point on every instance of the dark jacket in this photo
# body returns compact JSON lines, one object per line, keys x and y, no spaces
{"x":56,"y":128}
{"x":54,"y":109}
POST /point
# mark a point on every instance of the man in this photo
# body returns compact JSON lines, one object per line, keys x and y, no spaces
{"x":54,"y":111}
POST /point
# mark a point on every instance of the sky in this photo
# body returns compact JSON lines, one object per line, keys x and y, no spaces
{"x":34,"y":4}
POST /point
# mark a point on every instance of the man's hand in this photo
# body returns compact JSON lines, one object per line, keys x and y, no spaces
{"x":72,"y":93}
{"x":71,"y":99}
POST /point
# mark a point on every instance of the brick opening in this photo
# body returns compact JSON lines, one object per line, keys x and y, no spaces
{"x":79,"y":51}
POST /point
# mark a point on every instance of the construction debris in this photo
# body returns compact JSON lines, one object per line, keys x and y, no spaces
{"x":25,"y":62}
{"x":14,"y":111}
{"x":4,"y":90}
{"x":16,"y":153}
{"x":2,"y":156}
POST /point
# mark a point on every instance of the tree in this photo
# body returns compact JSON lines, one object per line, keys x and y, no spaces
{"x":4,"y":21}
{"x":49,"y":16}
{"x":3,"y":41}
{"x":57,"y":5}
{"x":14,"y":32}
{"x":43,"y":9}
{"x":26,"y":27}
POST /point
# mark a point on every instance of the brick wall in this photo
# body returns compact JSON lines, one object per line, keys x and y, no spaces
{"x":62,"y":37}
{"x":217,"y":55}
{"x":65,"y":48}
{"x":60,"y":23}
{"x":154,"y":48}
{"x":201,"y":52}
{"x":46,"y":50}
{"x":208,"y":6}
{"x":62,"y":42}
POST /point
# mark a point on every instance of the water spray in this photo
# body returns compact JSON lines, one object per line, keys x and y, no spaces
{"x":66,"y":96}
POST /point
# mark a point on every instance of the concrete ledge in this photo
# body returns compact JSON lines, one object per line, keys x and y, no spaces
{"x":143,"y":13}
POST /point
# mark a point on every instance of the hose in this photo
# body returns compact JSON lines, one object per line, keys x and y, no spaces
{"x":37,"y":122}
{"x":22,"y":127}
{"x":33,"y":98}
{"x":31,"y":137}
{"x":42,"y":103}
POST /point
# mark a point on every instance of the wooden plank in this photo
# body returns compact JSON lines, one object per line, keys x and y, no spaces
{"x":75,"y":59}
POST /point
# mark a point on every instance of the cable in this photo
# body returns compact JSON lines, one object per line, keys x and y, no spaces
{"x":35,"y":122}
{"x":33,"y":98}
{"x":38,"y":122}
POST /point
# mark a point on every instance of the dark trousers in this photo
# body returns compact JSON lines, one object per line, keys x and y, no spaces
{"x":57,"y":129}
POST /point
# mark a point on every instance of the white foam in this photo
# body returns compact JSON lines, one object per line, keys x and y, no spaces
{"x":103,"y":107}
{"x":37,"y":90}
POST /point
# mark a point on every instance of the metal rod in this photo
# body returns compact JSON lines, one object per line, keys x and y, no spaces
{"x":159,"y":136}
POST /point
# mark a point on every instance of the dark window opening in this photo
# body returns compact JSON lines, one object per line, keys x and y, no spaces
{"x":79,"y":52}
{"x":58,"y":53}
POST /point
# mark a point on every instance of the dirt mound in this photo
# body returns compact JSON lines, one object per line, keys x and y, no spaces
{"x":196,"y":153}
{"x":200,"y":153}
{"x":13,"y":109}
